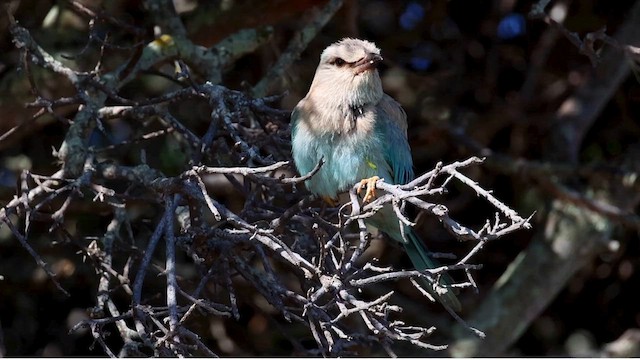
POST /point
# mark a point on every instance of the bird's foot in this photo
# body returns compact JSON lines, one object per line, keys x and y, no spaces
{"x":333,"y":202}
{"x":370,"y":184}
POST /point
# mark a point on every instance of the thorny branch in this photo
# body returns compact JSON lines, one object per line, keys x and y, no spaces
{"x":276,"y":231}
{"x":586,"y":45}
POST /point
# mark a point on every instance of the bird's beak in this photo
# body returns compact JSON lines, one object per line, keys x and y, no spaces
{"x":369,"y":62}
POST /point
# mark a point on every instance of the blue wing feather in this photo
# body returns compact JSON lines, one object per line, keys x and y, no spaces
{"x":396,"y":149}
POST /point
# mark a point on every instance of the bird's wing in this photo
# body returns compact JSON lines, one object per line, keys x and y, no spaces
{"x":305,"y":152}
{"x":393,"y":128}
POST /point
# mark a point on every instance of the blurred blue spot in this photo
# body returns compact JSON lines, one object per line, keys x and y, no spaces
{"x":420,"y":63}
{"x":7,"y":178}
{"x":511,"y":26}
{"x":412,"y":15}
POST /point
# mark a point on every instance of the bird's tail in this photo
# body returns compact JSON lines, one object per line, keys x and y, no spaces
{"x":421,"y":261}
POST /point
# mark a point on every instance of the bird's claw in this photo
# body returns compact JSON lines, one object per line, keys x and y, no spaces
{"x":370,"y":184}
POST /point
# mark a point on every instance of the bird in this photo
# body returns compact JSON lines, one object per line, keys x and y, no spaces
{"x":360,"y":132}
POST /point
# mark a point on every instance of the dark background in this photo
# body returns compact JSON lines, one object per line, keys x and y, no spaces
{"x":455,"y":65}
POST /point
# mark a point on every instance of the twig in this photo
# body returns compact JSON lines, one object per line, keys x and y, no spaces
{"x":296,"y":47}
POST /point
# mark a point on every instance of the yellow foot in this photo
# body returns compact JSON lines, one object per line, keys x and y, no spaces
{"x":333,"y":202}
{"x":370,"y":184}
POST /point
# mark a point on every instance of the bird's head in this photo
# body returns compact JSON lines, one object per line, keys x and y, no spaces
{"x":348,"y":71}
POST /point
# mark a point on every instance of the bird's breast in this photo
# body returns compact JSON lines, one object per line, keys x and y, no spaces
{"x":350,"y":154}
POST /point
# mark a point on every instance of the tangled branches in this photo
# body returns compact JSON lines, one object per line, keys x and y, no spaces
{"x":234,"y":213}
{"x":330,"y":282}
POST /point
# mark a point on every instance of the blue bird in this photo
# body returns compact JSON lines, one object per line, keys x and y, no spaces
{"x":361,"y":133}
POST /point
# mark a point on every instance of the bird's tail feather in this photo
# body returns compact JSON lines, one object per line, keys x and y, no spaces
{"x":418,"y":254}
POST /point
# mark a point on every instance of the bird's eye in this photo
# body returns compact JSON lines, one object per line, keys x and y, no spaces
{"x":338,"y":62}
